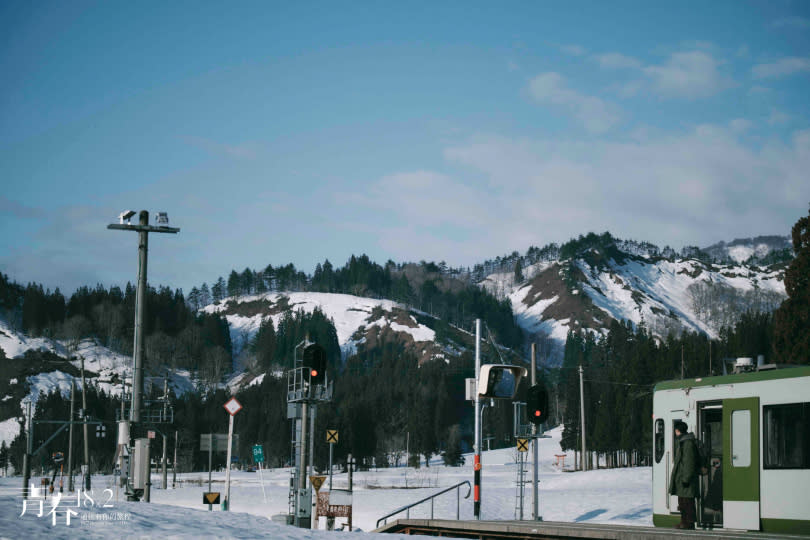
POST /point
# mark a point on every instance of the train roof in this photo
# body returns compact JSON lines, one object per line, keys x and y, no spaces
{"x":736,"y":378}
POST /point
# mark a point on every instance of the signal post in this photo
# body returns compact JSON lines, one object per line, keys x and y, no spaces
{"x":492,"y":381}
{"x":307,"y":386}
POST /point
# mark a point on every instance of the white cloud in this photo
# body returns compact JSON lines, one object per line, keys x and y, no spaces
{"x":573,"y":50}
{"x":235,"y":151}
{"x":617,"y":61}
{"x":758,"y":90}
{"x":596,"y":115}
{"x":739,"y":125}
{"x":791,"y":22}
{"x":778,"y":117}
{"x":781,"y":67}
{"x":692,"y":188}
{"x":692,"y":74}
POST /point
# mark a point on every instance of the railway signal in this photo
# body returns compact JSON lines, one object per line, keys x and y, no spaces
{"x":314,"y":358}
{"x":537,"y":404}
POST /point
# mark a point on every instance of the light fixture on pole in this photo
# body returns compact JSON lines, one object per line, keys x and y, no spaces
{"x":143,"y":229}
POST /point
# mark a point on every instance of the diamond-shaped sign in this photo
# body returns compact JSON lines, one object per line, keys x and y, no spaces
{"x":317,"y":481}
{"x":233,"y":406}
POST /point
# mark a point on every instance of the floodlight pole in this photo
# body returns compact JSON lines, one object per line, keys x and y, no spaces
{"x":535,"y":440}
{"x":143,"y":229}
{"x":477,"y":466}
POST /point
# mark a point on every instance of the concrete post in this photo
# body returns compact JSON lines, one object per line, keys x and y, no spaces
{"x":477,"y":465}
{"x":228,"y":464}
{"x":302,"y":470}
{"x":28,"y":451}
{"x":140,"y":309}
{"x":535,"y":440}
{"x":71,"y":487}
{"x":582,"y":419}
{"x":174,"y":462}
{"x":165,"y":402}
{"x":86,"y":436}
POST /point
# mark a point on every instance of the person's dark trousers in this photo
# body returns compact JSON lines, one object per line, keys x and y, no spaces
{"x":687,"y":507}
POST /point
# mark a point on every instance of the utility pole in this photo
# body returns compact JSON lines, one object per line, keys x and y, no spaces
{"x":174,"y":462}
{"x":535,"y":458}
{"x":302,"y":467}
{"x":165,"y":402}
{"x":143,"y":229}
{"x":140,"y":308}
{"x":71,"y":487}
{"x":86,"y":440}
{"x":681,"y":360}
{"x":123,"y":435}
{"x":477,"y":466}
{"x":28,"y":451}
{"x":582,"y":417}
{"x":710,"y":356}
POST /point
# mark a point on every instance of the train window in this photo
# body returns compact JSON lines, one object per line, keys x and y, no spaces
{"x":741,"y":438}
{"x":786,"y":436}
{"x":659,"y":440}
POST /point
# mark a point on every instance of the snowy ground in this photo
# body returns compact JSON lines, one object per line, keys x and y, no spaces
{"x":619,"y":496}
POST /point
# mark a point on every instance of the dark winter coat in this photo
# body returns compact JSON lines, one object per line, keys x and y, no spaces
{"x":685,"y":471}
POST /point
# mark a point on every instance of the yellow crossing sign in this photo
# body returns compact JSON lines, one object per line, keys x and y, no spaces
{"x":211,"y":497}
{"x":523,"y":445}
{"x":332,"y":436}
{"x":317,"y":481}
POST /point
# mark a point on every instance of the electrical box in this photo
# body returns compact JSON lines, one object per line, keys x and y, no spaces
{"x":140,"y":464}
{"x":469,"y":389}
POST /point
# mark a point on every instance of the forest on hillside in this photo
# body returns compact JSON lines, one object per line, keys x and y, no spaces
{"x":382,"y":395}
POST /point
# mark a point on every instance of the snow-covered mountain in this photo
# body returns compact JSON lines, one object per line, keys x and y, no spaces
{"x":562,"y":289}
{"x":602,"y":282}
{"x":357,"y":320}
{"x":44,"y":365}
{"x":756,"y":250}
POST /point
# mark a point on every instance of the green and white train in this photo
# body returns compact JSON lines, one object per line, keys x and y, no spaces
{"x":754,"y":426}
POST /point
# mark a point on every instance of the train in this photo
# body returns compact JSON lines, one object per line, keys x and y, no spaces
{"x":753,"y":427}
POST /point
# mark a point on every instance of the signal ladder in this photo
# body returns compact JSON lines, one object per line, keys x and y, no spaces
{"x":521,"y":482}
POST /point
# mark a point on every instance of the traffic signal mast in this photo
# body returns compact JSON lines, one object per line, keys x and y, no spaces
{"x":307,"y":385}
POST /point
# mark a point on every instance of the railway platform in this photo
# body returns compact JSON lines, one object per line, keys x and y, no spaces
{"x":496,"y":530}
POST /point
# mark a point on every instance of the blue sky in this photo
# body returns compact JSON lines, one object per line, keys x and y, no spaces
{"x":293,"y":132}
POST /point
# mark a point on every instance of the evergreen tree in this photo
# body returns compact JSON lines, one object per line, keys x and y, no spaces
{"x":205,"y":295}
{"x":792,"y":319}
{"x":234,"y":284}
{"x":452,"y":454}
{"x":218,"y":290}
{"x":518,"y":272}
{"x":247,"y":282}
{"x":194,"y":298}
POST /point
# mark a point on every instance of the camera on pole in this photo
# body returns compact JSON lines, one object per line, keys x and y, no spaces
{"x":537,"y":404}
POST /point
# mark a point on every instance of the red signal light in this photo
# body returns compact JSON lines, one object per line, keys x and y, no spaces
{"x":314,"y":372}
{"x":537,"y":413}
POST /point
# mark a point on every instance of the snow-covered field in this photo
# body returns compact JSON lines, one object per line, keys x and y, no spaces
{"x":619,"y":496}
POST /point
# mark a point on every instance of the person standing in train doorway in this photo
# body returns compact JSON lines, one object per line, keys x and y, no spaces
{"x":684,"y":480}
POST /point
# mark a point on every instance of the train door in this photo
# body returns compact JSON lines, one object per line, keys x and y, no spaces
{"x":740,"y":463}
{"x":710,"y":502}
{"x":676,"y":416}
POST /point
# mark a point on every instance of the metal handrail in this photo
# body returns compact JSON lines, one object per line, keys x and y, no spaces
{"x":408,"y":507}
